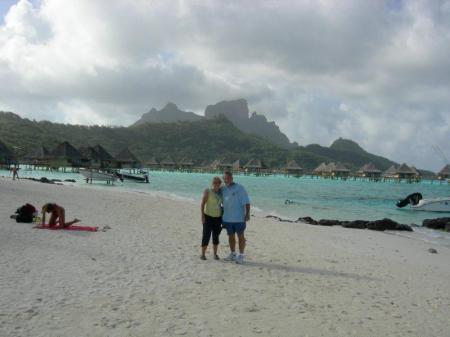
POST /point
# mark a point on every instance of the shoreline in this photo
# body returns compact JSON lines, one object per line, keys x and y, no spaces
{"x":427,"y":235}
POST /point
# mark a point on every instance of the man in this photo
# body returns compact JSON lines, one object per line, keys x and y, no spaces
{"x":236,"y":212}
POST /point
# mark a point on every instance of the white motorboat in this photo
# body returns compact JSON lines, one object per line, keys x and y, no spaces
{"x":91,"y":175}
{"x":433,"y":205}
{"x":430,"y":205}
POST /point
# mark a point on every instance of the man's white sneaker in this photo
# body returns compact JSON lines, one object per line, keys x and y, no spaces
{"x":240,"y":259}
{"x":231,"y":257}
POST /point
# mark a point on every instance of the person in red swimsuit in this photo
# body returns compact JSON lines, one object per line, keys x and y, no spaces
{"x":58,"y":215}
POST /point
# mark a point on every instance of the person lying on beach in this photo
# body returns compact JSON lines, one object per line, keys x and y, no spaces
{"x":211,"y":210}
{"x":58,"y":215}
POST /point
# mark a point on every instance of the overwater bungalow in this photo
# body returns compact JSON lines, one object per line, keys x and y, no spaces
{"x":444,"y":173}
{"x":292,"y":168}
{"x":64,"y":155}
{"x":168,"y":164}
{"x":390,"y":173}
{"x":370,"y":171}
{"x":37,"y":157}
{"x":416,"y":173}
{"x":405,"y":172}
{"x":106,"y":159}
{"x":228,"y":165}
{"x":254,"y":166}
{"x":320,"y":170}
{"x":186,"y":164}
{"x":7,"y":156}
{"x":90,"y":158}
{"x":127,"y":159}
{"x":152,"y":163}
{"x":338,"y":170}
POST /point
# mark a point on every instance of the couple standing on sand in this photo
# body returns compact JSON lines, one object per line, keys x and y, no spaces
{"x":229,"y":206}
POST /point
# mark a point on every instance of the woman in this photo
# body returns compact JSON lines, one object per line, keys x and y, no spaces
{"x":211,"y":210}
{"x":58,"y":214}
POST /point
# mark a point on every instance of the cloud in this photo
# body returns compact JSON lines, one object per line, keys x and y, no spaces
{"x":374,"y":71}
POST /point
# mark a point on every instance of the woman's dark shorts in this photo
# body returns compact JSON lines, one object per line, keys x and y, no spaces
{"x":212,"y":226}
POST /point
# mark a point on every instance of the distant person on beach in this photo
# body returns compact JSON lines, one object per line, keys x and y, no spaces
{"x":211,"y":210}
{"x":58,"y":215}
{"x":15,"y":172}
{"x":236,"y":213}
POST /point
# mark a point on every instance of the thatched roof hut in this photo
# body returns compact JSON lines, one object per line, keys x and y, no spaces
{"x":151,"y":162}
{"x":39,"y":155}
{"x":236,"y":165}
{"x":127,"y":159}
{"x":89,"y":157}
{"x":106,"y":159}
{"x":369,"y":168}
{"x":293,"y":167}
{"x":104,"y":155}
{"x":65,"y":154}
{"x":186,"y":162}
{"x":391,"y":172}
{"x":89,"y":153}
{"x":338,"y":170}
{"x":167,"y":163}
{"x":406,"y":172}
{"x":445,"y":172}
{"x":323,"y":167}
{"x":6,"y":155}
{"x":254,"y":164}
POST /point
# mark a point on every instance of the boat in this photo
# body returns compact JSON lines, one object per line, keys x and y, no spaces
{"x":429,"y":205}
{"x":141,"y":179}
{"x":91,"y":175}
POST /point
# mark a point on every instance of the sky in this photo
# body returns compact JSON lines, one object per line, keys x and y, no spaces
{"x":377,"y":72}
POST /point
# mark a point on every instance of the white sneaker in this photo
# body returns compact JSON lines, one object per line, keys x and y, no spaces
{"x":240,"y":259}
{"x":231,"y":257}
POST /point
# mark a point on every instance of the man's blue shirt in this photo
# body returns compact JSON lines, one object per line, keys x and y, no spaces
{"x":235,"y":198}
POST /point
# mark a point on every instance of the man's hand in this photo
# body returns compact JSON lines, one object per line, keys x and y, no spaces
{"x":203,"y":219}
{"x":247,"y":217}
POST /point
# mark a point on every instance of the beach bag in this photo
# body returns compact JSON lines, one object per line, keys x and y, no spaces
{"x":25,"y":213}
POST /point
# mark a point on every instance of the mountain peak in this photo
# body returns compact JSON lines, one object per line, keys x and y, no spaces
{"x":170,"y":113}
{"x":342,"y":144}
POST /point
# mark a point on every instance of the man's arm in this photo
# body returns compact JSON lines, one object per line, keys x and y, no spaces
{"x":247,"y":212}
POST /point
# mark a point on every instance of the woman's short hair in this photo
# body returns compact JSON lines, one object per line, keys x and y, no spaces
{"x":217,"y":180}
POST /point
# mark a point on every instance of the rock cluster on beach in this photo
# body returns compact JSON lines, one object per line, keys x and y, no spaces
{"x":439,"y":223}
{"x":45,"y":180}
{"x":377,"y":225}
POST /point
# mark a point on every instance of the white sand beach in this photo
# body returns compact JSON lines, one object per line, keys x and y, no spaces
{"x":143,"y":277}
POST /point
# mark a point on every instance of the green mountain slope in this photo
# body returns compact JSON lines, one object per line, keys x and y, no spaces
{"x":201,"y":141}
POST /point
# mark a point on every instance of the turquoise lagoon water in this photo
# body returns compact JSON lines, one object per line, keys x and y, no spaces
{"x":318,"y":198}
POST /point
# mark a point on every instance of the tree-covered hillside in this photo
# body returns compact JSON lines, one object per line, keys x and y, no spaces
{"x":200,"y":141}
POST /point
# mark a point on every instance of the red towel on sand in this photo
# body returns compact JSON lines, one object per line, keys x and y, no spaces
{"x":69,"y":228}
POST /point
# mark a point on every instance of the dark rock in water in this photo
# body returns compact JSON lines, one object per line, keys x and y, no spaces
{"x":378,"y":225}
{"x":381,"y":225}
{"x":56,"y":180}
{"x":278,"y":218}
{"x":70,"y":180}
{"x":359,"y":224}
{"x":447,"y":227}
{"x":326,"y":222}
{"x":438,"y":223}
{"x":46,"y":180}
{"x":308,"y":220}
{"x":432,"y":251}
{"x":402,"y":227}
{"x":388,"y":224}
